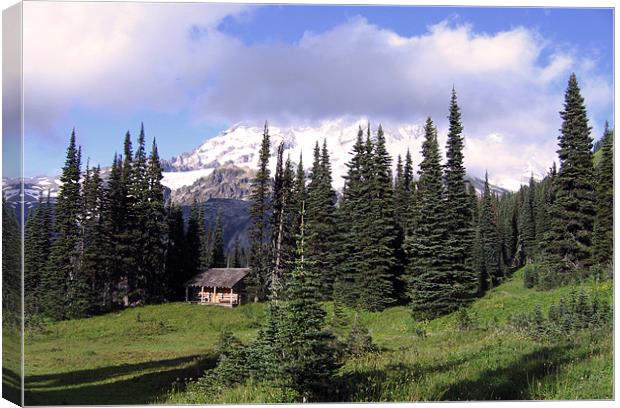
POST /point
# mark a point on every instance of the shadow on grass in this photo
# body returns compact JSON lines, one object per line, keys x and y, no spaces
{"x":82,"y":387}
{"x":11,"y":386}
{"x":513,"y":382}
{"x":370,"y":385}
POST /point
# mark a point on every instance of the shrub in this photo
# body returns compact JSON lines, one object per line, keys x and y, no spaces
{"x":359,"y":341}
{"x":465,"y":321}
{"x":530,"y":276}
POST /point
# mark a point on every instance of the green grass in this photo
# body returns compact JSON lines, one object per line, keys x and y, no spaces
{"x":144,"y":355}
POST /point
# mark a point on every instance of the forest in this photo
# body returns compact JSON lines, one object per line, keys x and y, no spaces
{"x":427,"y":242}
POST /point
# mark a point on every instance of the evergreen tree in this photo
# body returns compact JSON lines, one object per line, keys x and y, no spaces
{"x":155,"y":231}
{"x":320,"y":219}
{"x":490,"y":272}
{"x":219,"y":255}
{"x":94,"y":241}
{"x":176,"y":273}
{"x":308,"y":359}
{"x":430,"y":284}
{"x":528,"y":221}
{"x":460,"y":228}
{"x":299,"y":193}
{"x":350,"y":228}
{"x":237,"y":259}
{"x":572,"y":213}
{"x":114,"y":223}
{"x":194,"y":241}
{"x":37,"y":245}
{"x":11,"y":266}
{"x":379,"y":278}
{"x":62,"y":280}
{"x":603,"y":238}
{"x":260,"y":233}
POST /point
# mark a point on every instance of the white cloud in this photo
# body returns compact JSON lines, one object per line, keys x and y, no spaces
{"x":124,"y":56}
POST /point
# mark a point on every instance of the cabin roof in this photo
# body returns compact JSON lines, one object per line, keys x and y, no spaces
{"x":220,"y":277}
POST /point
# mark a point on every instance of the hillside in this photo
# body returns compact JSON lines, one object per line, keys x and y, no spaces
{"x":143,"y":355}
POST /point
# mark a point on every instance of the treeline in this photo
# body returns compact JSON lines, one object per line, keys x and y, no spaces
{"x":107,"y":245}
{"x":431,"y":241}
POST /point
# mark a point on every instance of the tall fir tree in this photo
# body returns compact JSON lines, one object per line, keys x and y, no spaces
{"x":37,"y":245}
{"x":603,"y":237}
{"x":11,"y":267}
{"x":259,"y":232}
{"x":176,"y":271}
{"x":320,"y":224}
{"x":460,"y":226}
{"x":527,"y":221}
{"x":155,"y":231}
{"x":379,"y":279}
{"x":62,"y":279}
{"x":490,"y":269}
{"x":430,"y":285}
{"x":219,"y":253}
{"x":308,"y":361}
{"x":194,"y":238}
{"x":573,"y":210}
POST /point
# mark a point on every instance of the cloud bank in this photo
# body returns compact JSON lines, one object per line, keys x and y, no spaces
{"x":172,"y":57}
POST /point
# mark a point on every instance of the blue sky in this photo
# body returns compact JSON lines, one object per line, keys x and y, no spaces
{"x":190,"y":70}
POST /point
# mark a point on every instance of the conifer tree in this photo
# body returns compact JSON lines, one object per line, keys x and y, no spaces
{"x":350,"y":232}
{"x":528,"y":221}
{"x":176,"y":274}
{"x":379,"y":279}
{"x":62,"y":279}
{"x":219,"y":254}
{"x":430,"y":284}
{"x":154,"y":230}
{"x":603,"y":237}
{"x":260,"y":233}
{"x":299,"y":193}
{"x":194,"y":241}
{"x":490,"y":272}
{"x":320,"y":219}
{"x":308,"y":359}
{"x":237,"y":258}
{"x":114,"y":222}
{"x":572,"y":213}
{"x":37,"y":245}
{"x":11,"y":265}
{"x":460,"y":228}
{"x":94,"y":241}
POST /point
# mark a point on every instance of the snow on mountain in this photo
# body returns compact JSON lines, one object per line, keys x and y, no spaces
{"x":239,"y":146}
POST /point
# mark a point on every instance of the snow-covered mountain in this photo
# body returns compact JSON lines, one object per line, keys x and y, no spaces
{"x":223,"y":166}
{"x":239,"y":146}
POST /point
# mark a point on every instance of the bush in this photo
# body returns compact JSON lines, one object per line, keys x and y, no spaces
{"x":465,"y":321}
{"x":530,"y":276}
{"x":582,"y":311}
{"x":359,"y":341}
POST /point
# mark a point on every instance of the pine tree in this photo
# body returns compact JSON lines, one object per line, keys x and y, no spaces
{"x":460,"y":226}
{"x":237,"y":259}
{"x":350,"y":228}
{"x":378,"y":280}
{"x":219,"y":254}
{"x":94,"y":241}
{"x":320,"y":219}
{"x":490,"y":272}
{"x":114,"y":223}
{"x":176,"y":273}
{"x":528,"y":221}
{"x":11,"y":266}
{"x":37,"y":245}
{"x":62,"y":279}
{"x":299,"y":193}
{"x":572,"y":213}
{"x":430,"y":285}
{"x":603,"y":237}
{"x":260,"y":233}
{"x":194,"y":241}
{"x":154,"y":230}
{"x":308,"y":359}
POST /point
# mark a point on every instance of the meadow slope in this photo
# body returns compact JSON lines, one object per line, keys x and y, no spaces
{"x":151,"y":354}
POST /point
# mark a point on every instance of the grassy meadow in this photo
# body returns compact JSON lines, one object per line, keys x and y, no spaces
{"x":152,"y":354}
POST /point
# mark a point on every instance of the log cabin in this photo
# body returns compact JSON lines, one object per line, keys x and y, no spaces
{"x":217,"y":286}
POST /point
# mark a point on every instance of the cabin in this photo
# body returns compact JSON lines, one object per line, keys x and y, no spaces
{"x":217,"y":286}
